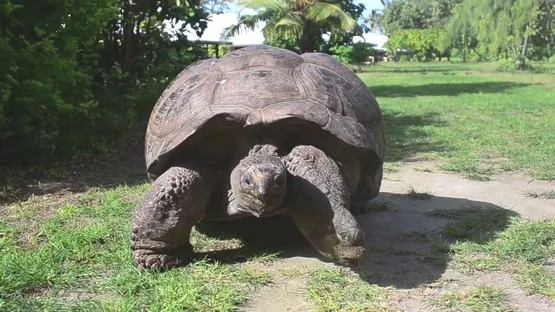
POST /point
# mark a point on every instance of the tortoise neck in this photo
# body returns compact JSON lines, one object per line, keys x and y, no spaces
{"x":258,"y":142}
{"x":263,"y":149}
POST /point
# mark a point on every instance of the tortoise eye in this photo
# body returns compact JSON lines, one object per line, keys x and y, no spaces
{"x":278,"y":181}
{"x":247,"y":180}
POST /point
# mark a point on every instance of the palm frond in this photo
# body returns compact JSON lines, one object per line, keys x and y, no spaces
{"x":321,"y":11}
{"x":279,"y":5}
{"x":289,"y":26}
{"x":245,"y":22}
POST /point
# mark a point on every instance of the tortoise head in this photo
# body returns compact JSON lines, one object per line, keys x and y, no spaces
{"x":259,"y":184}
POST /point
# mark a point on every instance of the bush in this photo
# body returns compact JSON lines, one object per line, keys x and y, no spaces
{"x":505,"y":65}
{"x":342,"y":53}
{"x":551,"y":60}
{"x":356,"y":53}
{"x":72,"y":84}
{"x":222,"y":50}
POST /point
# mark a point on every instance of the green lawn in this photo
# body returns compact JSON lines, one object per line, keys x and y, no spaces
{"x":475,"y":123}
{"x":78,"y":259}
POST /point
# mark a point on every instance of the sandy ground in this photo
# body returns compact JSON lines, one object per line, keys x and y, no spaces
{"x":398,"y":251}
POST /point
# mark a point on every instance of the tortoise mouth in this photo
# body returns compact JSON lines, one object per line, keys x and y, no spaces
{"x":261,"y":206}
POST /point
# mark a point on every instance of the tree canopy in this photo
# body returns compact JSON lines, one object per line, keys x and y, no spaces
{"x":517,"y":29}
{"x":77,"y":73}
{"x":300,"y":20}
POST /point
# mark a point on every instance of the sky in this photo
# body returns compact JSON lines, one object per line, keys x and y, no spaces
{"x":219,"y":22}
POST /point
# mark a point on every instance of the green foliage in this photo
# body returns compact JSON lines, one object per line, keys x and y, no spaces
{"x":505,"y":64}
{"x":75,"y":75}
{"x":288,"y":43}
{"x":356,"y":53}
{"x":459,"y":31}
{"x":515,"y":28}
{"x":338,"y":38}
{"x":361,"y":52}
{"x":424,"y":43}
{"x":222,"y":50}
{"x":414,"y":14}
{"x":342,"y":53}
{"x":300,"y":20}
{"x":489,"y":29}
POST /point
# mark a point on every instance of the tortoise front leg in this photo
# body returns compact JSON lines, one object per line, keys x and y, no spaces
{"x":162,"y":222}
{"x":319,"y":202}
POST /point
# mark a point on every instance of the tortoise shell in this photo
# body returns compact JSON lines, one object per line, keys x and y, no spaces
{"x":263,"y":85}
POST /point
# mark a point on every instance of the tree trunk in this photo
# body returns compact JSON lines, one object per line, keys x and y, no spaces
{"x":304,"y":40}
{"x":127,"y":42}
{"x":480,"y":57}
{"x":522,"y":62}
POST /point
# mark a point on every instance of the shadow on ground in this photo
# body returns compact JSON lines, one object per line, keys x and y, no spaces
{"x":443,"y":89}
{"x":402,"y":242}
{"x":406,"y":136}
{"x":127,"y":168}
{"x":447,"y":69}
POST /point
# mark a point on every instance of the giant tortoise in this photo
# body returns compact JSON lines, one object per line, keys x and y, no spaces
{"x":260,"y":132}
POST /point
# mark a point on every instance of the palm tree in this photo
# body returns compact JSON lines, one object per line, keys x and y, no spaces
{"x":376,"y":16}
{"x":299,"y":19}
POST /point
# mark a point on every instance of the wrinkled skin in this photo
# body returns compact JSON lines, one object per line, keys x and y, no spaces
{"x":306,"y":182}
{"x":259,"y":184}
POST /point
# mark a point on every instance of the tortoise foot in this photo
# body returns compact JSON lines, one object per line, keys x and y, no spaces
{"x":349,"y":255}
{"x":360,"y":207}
{"x":151,"y":260}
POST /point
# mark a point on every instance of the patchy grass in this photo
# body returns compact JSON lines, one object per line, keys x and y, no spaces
{"x":337,"y":290}
{"x":415,"y":195}
{"x":477,"y":299}
{"x":541,"y":195}
{"x":475,"y":223}
{"x":78,"y":258}
{"x":467,"y":117}
{"x":390,"y":167}
{"x":380,"y":205}
{"x":491,"y":239}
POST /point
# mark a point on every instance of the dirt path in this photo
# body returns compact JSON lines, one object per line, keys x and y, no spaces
{"x":400,"y":255}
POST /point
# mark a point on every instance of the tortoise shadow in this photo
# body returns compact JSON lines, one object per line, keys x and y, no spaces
{"x":405,"y":246}
{"x":443,"y":89}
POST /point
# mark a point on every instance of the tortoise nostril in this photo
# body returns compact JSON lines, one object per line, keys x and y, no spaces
{"x":261,"y":191}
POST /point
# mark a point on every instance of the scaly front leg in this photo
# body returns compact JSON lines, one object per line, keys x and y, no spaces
{"x":319,"y":203}
{"x":163,"y":220}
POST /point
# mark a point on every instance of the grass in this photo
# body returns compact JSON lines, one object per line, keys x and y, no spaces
{"x":491,"y":239}
{"x":415,"y":195}
{"x":380,"y":205}
{"x":337,"y":290}
{"x":79,"y":259}
{"x":541,"y":195}
{"x":467,"y":117}
{"x":478,"y":299}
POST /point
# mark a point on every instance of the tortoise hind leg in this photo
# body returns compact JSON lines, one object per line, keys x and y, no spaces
{"x":369,"y":189}
{"x":163,"y":220}
{"x":319,"y":202}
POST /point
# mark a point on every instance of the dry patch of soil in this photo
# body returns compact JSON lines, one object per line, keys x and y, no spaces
{"x":401,"y":257}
